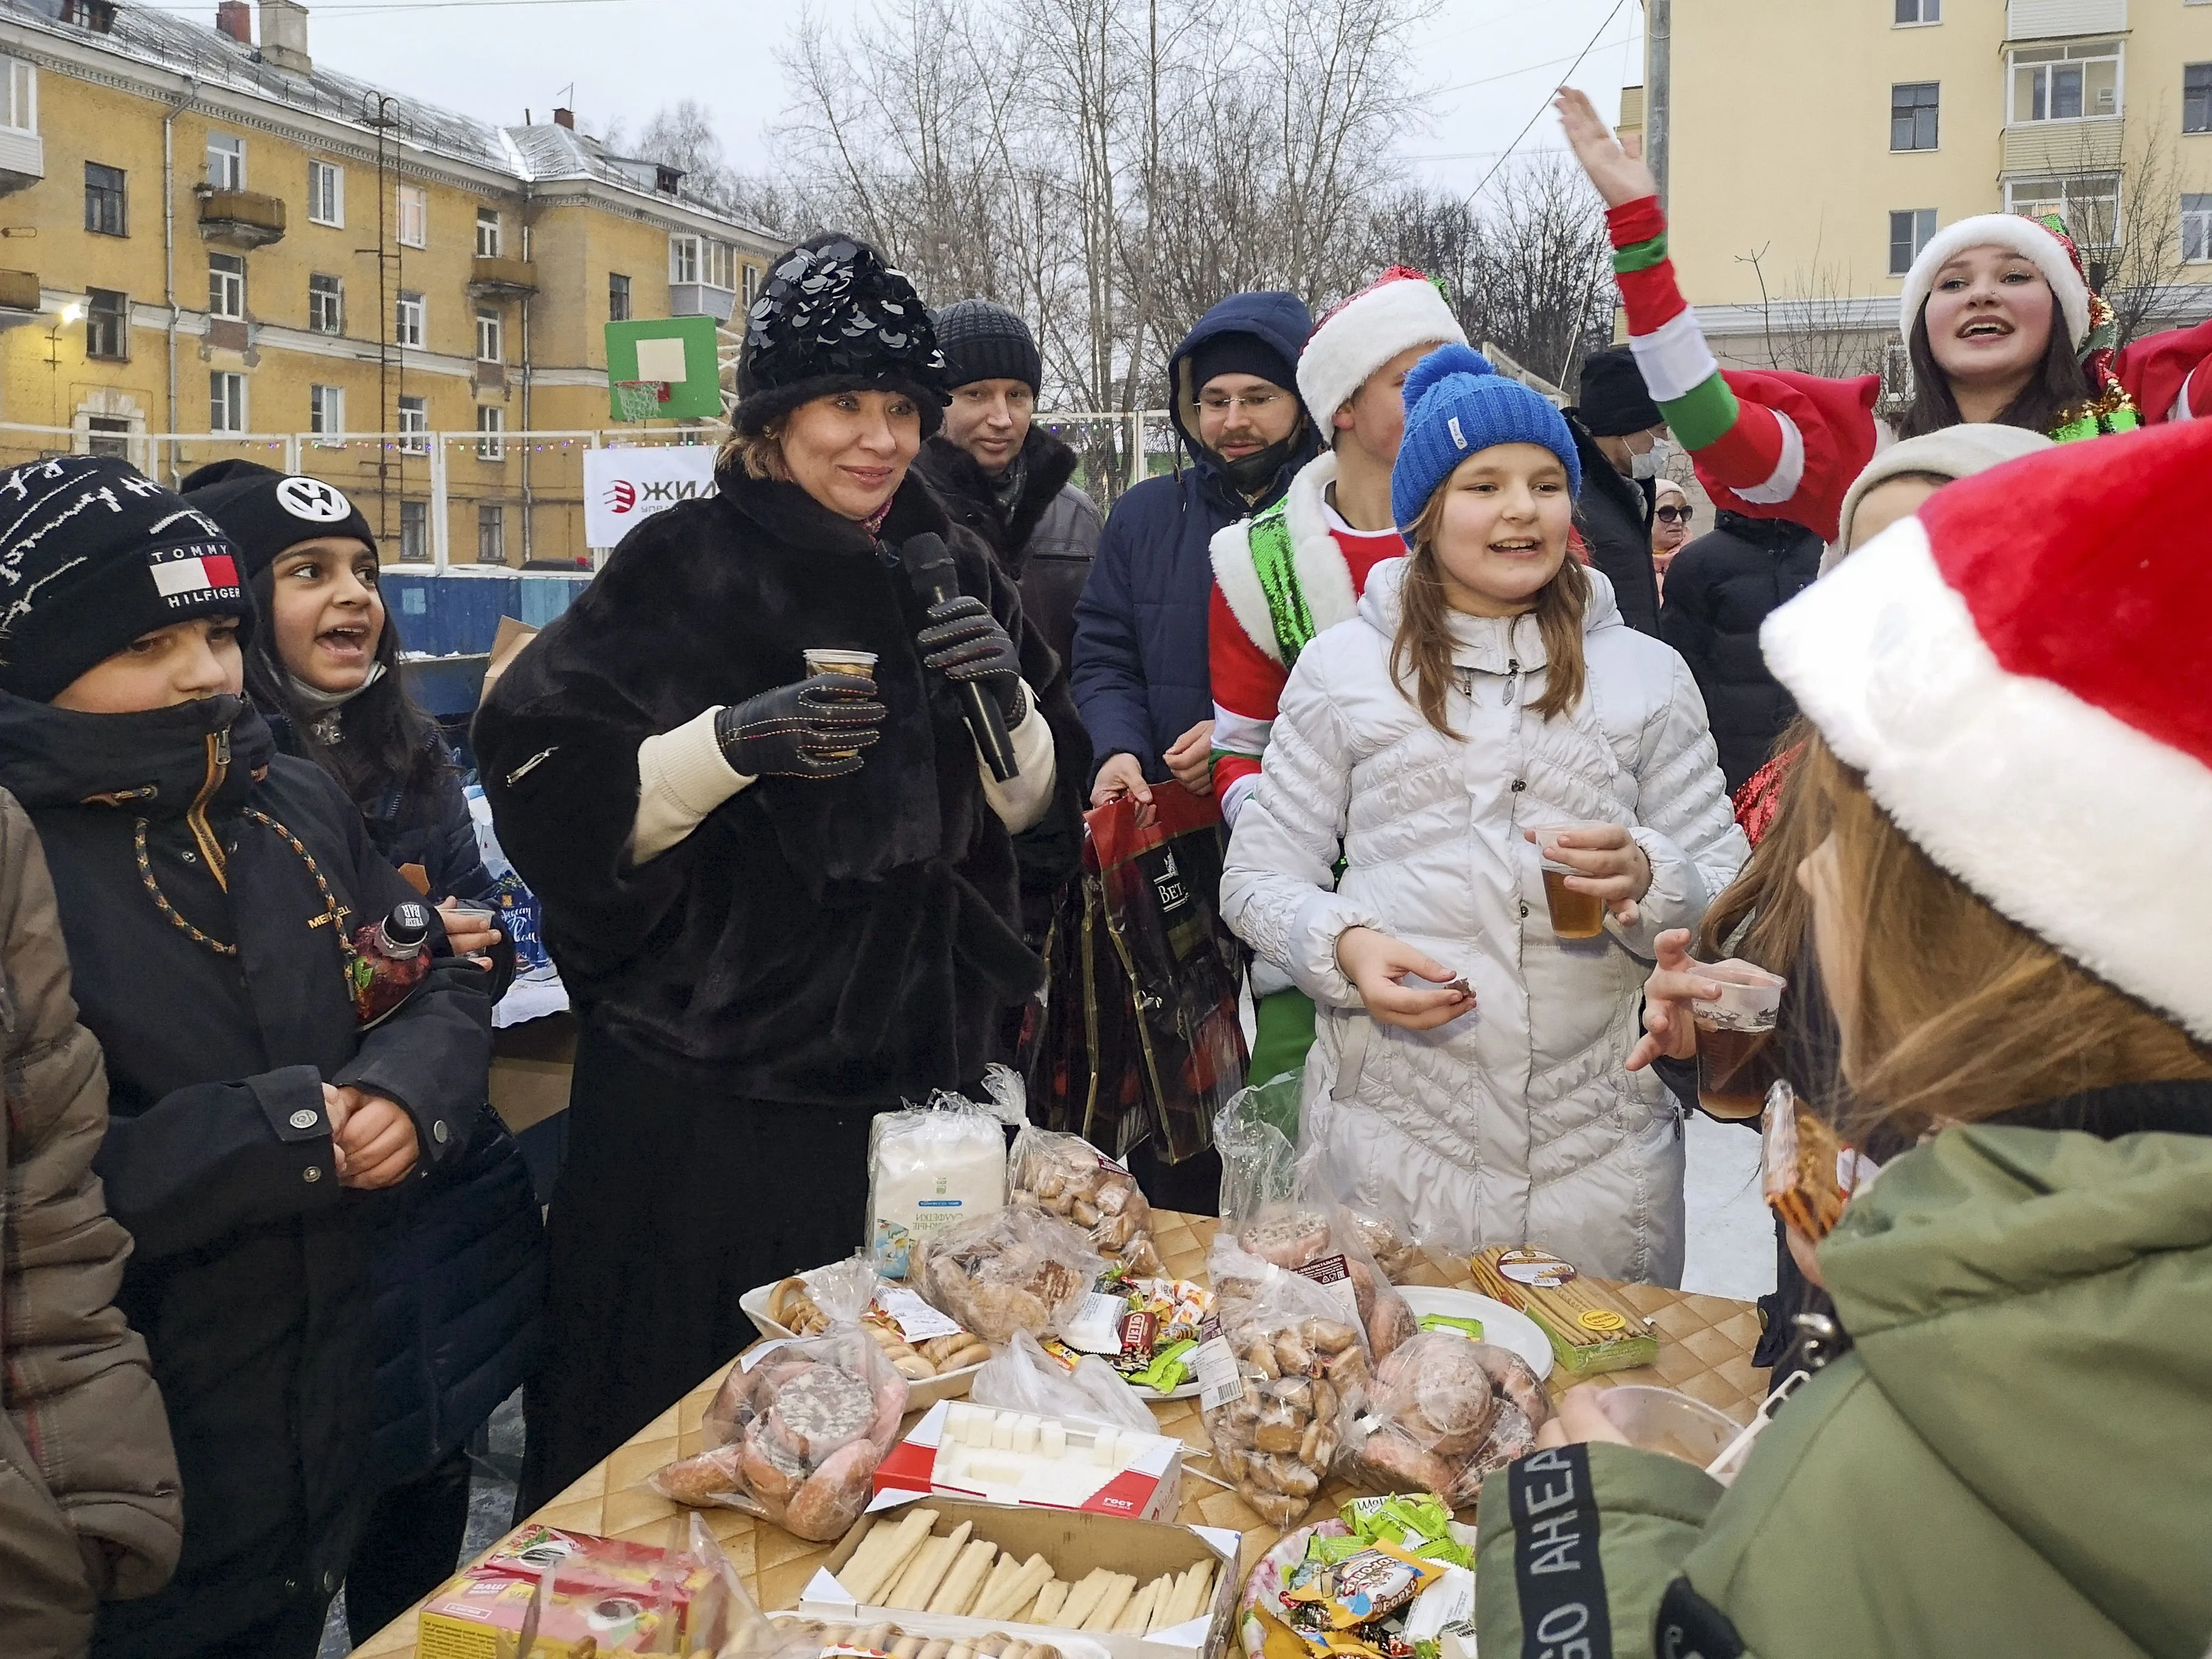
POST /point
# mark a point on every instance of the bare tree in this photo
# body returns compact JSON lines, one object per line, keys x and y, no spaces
{"x":1815,"y":326}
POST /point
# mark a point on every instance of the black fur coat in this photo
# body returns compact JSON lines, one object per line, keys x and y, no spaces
{"x":847,"y":940}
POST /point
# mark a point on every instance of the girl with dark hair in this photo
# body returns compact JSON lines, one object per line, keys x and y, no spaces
{"x":1997,"y":316}
{"x":459,"y":1265}
{"x":1487,"y":695}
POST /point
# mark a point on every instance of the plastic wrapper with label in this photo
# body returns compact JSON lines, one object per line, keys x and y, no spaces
{"x":1385,"y":1219}
{"x":933,"y":1167}
{"x":1066,"y":1175}
{"x":1440,"y":1414}
{"x":1589,"y":1328}
{"x":1023,"y":1378}
{"x":796,"y":1432}
{"x":1018,"y":1270}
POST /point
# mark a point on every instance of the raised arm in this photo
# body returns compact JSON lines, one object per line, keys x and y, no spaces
{"x":2169,"y":375}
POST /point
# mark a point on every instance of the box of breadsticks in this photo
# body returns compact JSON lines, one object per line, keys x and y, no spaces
{"x":964,"y":1573}
{"x":993,"y":1455}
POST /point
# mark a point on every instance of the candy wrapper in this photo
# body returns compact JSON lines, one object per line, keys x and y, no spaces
{"x":1377,"y":1584}
{"x":1441,"y":1412}
{"x":932,"y":1167}
{"x":1019,"y":1270}
{"x":798,"y":1427}
{"x":1067,"y":1177}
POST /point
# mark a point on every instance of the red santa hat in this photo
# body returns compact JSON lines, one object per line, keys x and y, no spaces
{"x":2024,"y":674}
{"x":2056,"y":258}
{"x":1399,"y":310}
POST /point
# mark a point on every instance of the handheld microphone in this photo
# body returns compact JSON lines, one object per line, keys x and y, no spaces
{"x":928,"y":566}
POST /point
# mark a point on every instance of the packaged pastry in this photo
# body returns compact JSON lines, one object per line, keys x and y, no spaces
{"x":1066,"y":1175}
{"x":1590,"y":1328}
{"x":1018,"y":1270}
{"x":796,"y":1432}
{"x":933,"y":1167}
{"x":921,"y":1342}
{"x":1807,"y":1172}
{"x":1441,"y":1412}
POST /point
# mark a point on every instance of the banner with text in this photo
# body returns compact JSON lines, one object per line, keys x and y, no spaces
{"x":623,"y":487}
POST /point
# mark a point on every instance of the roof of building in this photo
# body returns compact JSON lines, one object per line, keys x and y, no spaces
{"x":532,"y":154}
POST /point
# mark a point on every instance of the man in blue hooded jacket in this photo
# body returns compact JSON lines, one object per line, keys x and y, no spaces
{"x":1139,"y":671}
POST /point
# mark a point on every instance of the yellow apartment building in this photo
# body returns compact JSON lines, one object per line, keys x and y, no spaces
{"x":215,"y":246}
{"x":1812,"y":146}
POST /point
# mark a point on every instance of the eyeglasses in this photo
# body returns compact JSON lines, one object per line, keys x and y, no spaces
{"x":1251,"y":402}
{"x":1673,"y":514}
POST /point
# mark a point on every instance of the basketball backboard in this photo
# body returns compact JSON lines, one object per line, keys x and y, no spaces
{"x":679,"y":353}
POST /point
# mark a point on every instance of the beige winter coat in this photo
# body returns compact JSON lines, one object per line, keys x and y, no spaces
{"x":87,"y":1474}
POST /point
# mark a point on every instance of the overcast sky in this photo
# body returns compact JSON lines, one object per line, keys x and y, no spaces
{"x":1496,"y":61}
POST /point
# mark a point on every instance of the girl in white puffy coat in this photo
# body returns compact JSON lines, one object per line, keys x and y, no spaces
{"x":1486,"y":697}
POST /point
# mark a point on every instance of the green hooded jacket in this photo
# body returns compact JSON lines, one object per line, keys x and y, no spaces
{"x":2015,"y":1459}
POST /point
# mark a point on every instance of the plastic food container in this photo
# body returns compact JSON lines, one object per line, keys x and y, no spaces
{"x":1662,"y":1420}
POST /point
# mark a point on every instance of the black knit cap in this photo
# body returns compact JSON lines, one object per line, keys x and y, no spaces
{"x":1239,"y":353}
{"x":983,"y":340}
{"x":265,"y":511}
{"x":832,"y":317}
{"x":1613,"y":400}
{"x":93,"y":555}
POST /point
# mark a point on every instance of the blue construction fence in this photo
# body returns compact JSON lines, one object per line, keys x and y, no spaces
{"x":446,"y":623}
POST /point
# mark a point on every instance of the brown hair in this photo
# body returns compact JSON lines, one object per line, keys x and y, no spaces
{"x":1957,"y":1013}
{"x":1423,"y":642}
{"x":1764,"y":902}
{"x":2059,"y":385}
{"x":761,"y":454}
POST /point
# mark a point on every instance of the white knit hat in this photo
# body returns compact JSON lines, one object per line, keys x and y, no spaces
{"x":1956,"y":452}
{"x":2024,"y":236}
{"x":2020,"y":669}
{"x":1399,"y":310}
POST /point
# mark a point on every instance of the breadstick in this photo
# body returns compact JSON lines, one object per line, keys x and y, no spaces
{"x":1002,"y":1575}
{"x":901,"y":1543}
{"x":1052,"y":1596}
{"x":1199,"y":1596}
{"x":1031,"y":1577}
{"x":860,"y":1565}
{"x":1139,"y":1617}
{"x":937,"y":1649}
{"x":1083,"y":1598}
{"x":931,"y":1562}
{"x":1107,"y":1615}
{"x":957,"y":1593}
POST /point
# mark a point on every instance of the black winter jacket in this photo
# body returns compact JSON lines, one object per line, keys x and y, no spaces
{"x":250,"y":1279}
{"x":1045,"y":543}
{"x":1615,"y":515}
{"x":842,"y":941}
{"x":1719,"y":590}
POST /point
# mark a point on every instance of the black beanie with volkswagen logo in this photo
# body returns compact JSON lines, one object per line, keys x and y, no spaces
{"x":265,"y":511}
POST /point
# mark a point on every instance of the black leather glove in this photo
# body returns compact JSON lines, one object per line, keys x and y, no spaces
{"x":815,"y":729}
{"x":963,"y":641}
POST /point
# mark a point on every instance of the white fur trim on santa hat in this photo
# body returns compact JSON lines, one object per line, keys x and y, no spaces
{"x":2023,"y":236}
{"x":1364,"y":333}
{"x":2068,"y":820}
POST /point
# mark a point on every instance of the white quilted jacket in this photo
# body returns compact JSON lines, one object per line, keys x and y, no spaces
{"x":1516,"y":1123}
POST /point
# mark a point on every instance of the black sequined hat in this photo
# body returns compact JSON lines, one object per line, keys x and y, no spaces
{"x":832,"y":317}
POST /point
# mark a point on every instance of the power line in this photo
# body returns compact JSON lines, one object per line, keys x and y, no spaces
{"x":1530,"y":69}
{"x":1546,"y":104}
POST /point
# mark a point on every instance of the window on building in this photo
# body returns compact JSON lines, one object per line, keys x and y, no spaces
{"x":107,"y":323}
{"x":325,"y":192}
{"x":1909,"y":232}
{"x":2088,"y":202}
{"x":1919,"y":11}
{"x":490,"y":344}
{"x":617,"y":297}
{"x":326,"y":305}
{"x":415,"y":426}
{"x":226,"y":402}
{"x":2197,"y":97}
{"x":491,"y":533}
{"x":408,"y":321}
{"x":103,"y":201}
{"x":108,"y":435}
{"x":414,"y":214}
{"x":326,"y":410}
{"x":227,"y":286}
{"x":2197,"y":228}
{"x":751,"y":279}
{"x":1912,"y":112}
{"x":684,"y":259}
{"x":226,"y":161}
{"x":491,"y":433}
{"x":2066,"y":84}
{"x":721,"y":264}
{"x":488,"y":233}
{"x":19,"y":95}
{"x":415,"y":531}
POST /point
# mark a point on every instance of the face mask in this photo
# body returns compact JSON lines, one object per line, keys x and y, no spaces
{"x":1652,"y":462}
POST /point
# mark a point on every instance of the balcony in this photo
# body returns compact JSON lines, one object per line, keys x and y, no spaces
{"x":502,"y":279}
{"x":19,"y":291}
{"x":701,"y":300}
{"x":239,"y":218}
{"x":2054,"y":20}
{"x":22,"y":161}
{"x":2062,"y":147}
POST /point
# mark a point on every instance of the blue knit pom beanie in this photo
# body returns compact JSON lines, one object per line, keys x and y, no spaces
{"x":1457,"y":403}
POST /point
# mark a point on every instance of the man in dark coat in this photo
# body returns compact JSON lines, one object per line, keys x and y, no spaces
{"x":1622,"y":440}
{"x":1004,"y":477}
{"x":1719,"y":590}
{"x":1141,"y":670}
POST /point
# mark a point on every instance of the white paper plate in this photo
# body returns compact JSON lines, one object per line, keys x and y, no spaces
{"x":920,"y":1396}
{"x":1507,"y":1326}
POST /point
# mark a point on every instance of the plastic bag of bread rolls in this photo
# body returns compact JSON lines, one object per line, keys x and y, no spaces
{"x":1067,"y":1177}
{"x":796,"y":1432}
{"x":1397,"y":1231}
{"x":1019,"y":1270}
{"x":1441,"y":1414}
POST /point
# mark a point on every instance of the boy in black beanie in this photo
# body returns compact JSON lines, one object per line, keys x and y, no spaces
{"x":210,"y":891}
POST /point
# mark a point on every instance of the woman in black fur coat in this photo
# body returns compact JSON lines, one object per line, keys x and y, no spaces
{"x":781,"y":902}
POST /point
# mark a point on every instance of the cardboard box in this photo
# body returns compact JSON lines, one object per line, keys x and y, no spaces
{"x":617,"y":1597}
{"x":1075,"y":1543}
{"x":531,"y":1067}
{"x":1143,"y":1479}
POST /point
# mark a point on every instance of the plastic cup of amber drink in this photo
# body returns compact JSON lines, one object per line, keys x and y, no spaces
{"x":830,"y":659}
{"x":1574,"y":914}
{"x":1736,"y":1064}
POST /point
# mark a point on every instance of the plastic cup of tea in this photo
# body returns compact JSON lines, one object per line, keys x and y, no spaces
{"x":827,"y":659}
{"x":1736,"y":1035}
{"x":1574,"y":914}
{"x":1664,"y":1420}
